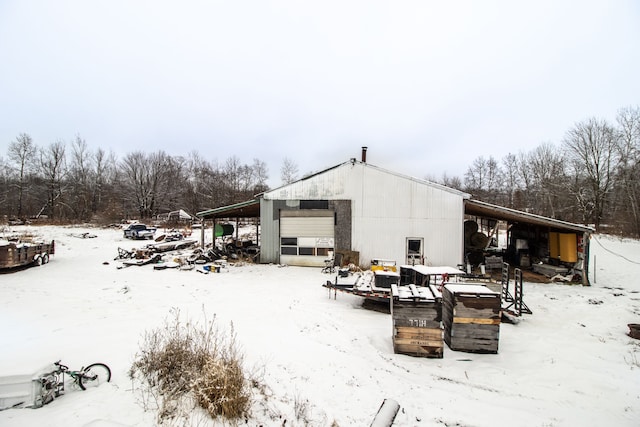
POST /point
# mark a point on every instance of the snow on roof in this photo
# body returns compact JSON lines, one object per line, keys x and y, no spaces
{"x":471,"y":288}
{"x":439,"y":270}
{"x":386,"y":273}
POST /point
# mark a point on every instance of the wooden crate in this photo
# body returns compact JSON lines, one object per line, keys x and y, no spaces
{"x":471,"y":316}
{"x":493,"y":262}
{"x":416,"y":314}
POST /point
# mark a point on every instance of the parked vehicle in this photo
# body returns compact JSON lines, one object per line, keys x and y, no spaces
{"x":17,"y":254}
{"x":139,"y":231}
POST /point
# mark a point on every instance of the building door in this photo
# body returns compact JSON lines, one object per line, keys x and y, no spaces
{"x":306,"y":237}
{"x":415,"y":250}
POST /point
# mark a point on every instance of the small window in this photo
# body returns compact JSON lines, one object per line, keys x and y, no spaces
{"x":289,"y":241}
{"x":323,"y":251}
{"x":413,"y":246}
{"x":307,"y":251}
{"x":289,"y":250}
{"x":314,"y":204}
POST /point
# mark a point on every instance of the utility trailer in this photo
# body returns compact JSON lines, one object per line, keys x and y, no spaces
{"x":20,"y":254}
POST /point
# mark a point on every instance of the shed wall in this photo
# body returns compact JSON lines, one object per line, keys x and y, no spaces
{"x":387,"y":209}
{"x":270,"y":236}
{"x":392,"y":208}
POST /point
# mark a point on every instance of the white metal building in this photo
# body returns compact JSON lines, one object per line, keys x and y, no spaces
{"x":358,"y":207}
{"x":365,"y":213}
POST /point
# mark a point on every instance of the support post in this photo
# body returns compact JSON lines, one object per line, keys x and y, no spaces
{"x":202,"y":227}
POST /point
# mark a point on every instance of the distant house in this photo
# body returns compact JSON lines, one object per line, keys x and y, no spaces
{"x":368,"y":213}
{"x":179,"y":215}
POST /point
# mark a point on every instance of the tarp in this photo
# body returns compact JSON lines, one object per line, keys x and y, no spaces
{"x":180,"y":214}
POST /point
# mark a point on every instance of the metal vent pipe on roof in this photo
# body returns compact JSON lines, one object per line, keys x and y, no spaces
{"x":364,"y":154}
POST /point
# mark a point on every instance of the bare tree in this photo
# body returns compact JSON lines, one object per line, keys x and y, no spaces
{"x":196,"y":172}
{"x":4,"y":183}
{"x":21,"y":152}
{"x":173,"y":187}
{"x":103,"y":201}
{"x":288,"y":171}
{"x":260,"y":176}
{"x":591,"y":146}
{"x":546,"y":165}
{"x":523,"y":198}
{"x":234,"y":176}
{"x":81,"y":178}
{"x":54,"y":169}
{"x":483,"y":177}
{"x":510,"y":178}
{"x":475,"y":177}
{"x":628,"y":178}
{"x":451,"y":181}
{"x":143,"y":176}
{"x":215,"y":187}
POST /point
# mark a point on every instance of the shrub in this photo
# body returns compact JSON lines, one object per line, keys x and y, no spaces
{"x":222,"y":390}
{"x":182,"y":364}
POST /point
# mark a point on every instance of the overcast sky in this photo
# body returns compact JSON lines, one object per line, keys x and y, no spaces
{"x":428,"y":86}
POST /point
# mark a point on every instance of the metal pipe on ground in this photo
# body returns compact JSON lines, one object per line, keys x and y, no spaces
{"x":386,"y":414}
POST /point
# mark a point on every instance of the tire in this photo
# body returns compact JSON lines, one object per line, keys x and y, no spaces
{"x":38,"y":261}
{"x":94,"y":375}
{"x":45,"y":258}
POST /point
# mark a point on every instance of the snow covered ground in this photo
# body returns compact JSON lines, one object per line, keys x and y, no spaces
{"x":569,"y":363}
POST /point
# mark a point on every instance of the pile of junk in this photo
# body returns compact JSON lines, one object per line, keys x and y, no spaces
{"x":186,"y":253}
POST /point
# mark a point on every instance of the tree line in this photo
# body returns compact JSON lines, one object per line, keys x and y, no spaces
{"x":70,"y":182}
{"x":591,"y":177}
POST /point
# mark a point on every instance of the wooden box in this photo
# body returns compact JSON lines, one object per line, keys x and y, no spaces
{"x":417,"y":321}
{"x":493,"y":262}
{"x":471,"y":316}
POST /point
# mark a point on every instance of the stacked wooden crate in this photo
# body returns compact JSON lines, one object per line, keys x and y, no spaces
{"x":471,"y":315}
{"x":417,"y":321}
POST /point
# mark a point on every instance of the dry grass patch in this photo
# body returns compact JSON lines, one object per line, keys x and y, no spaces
{"x":182,"y":365}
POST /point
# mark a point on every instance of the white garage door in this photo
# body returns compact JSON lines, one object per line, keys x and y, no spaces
{"x":306,"y":237}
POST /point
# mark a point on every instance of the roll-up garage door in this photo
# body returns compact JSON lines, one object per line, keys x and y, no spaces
{"x":306,"y":237}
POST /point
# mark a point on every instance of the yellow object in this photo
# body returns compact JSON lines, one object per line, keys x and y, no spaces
{"x":383,"y":264}
{"x":568,"y":247}
{"x":563,"y":246}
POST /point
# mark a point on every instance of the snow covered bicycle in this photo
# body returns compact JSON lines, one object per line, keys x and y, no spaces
{"x":52,"y":384}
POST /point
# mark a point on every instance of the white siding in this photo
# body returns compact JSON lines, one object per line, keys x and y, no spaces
{"x":387,"y":208}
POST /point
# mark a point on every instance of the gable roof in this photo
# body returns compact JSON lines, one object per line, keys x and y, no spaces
{"x":382,"y":170}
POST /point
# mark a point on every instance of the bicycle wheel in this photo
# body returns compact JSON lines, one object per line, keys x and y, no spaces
{"x":94,"y":375}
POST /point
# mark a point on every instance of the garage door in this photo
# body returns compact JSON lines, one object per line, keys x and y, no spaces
{"x":306,"y":237}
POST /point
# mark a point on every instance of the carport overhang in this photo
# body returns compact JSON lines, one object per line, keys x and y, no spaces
{"x":487,"y":210}
{"x":481,"y":209}
{"x":246,"y":209}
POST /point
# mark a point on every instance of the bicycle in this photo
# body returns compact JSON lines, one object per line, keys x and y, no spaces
{"x":52,"y":384}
